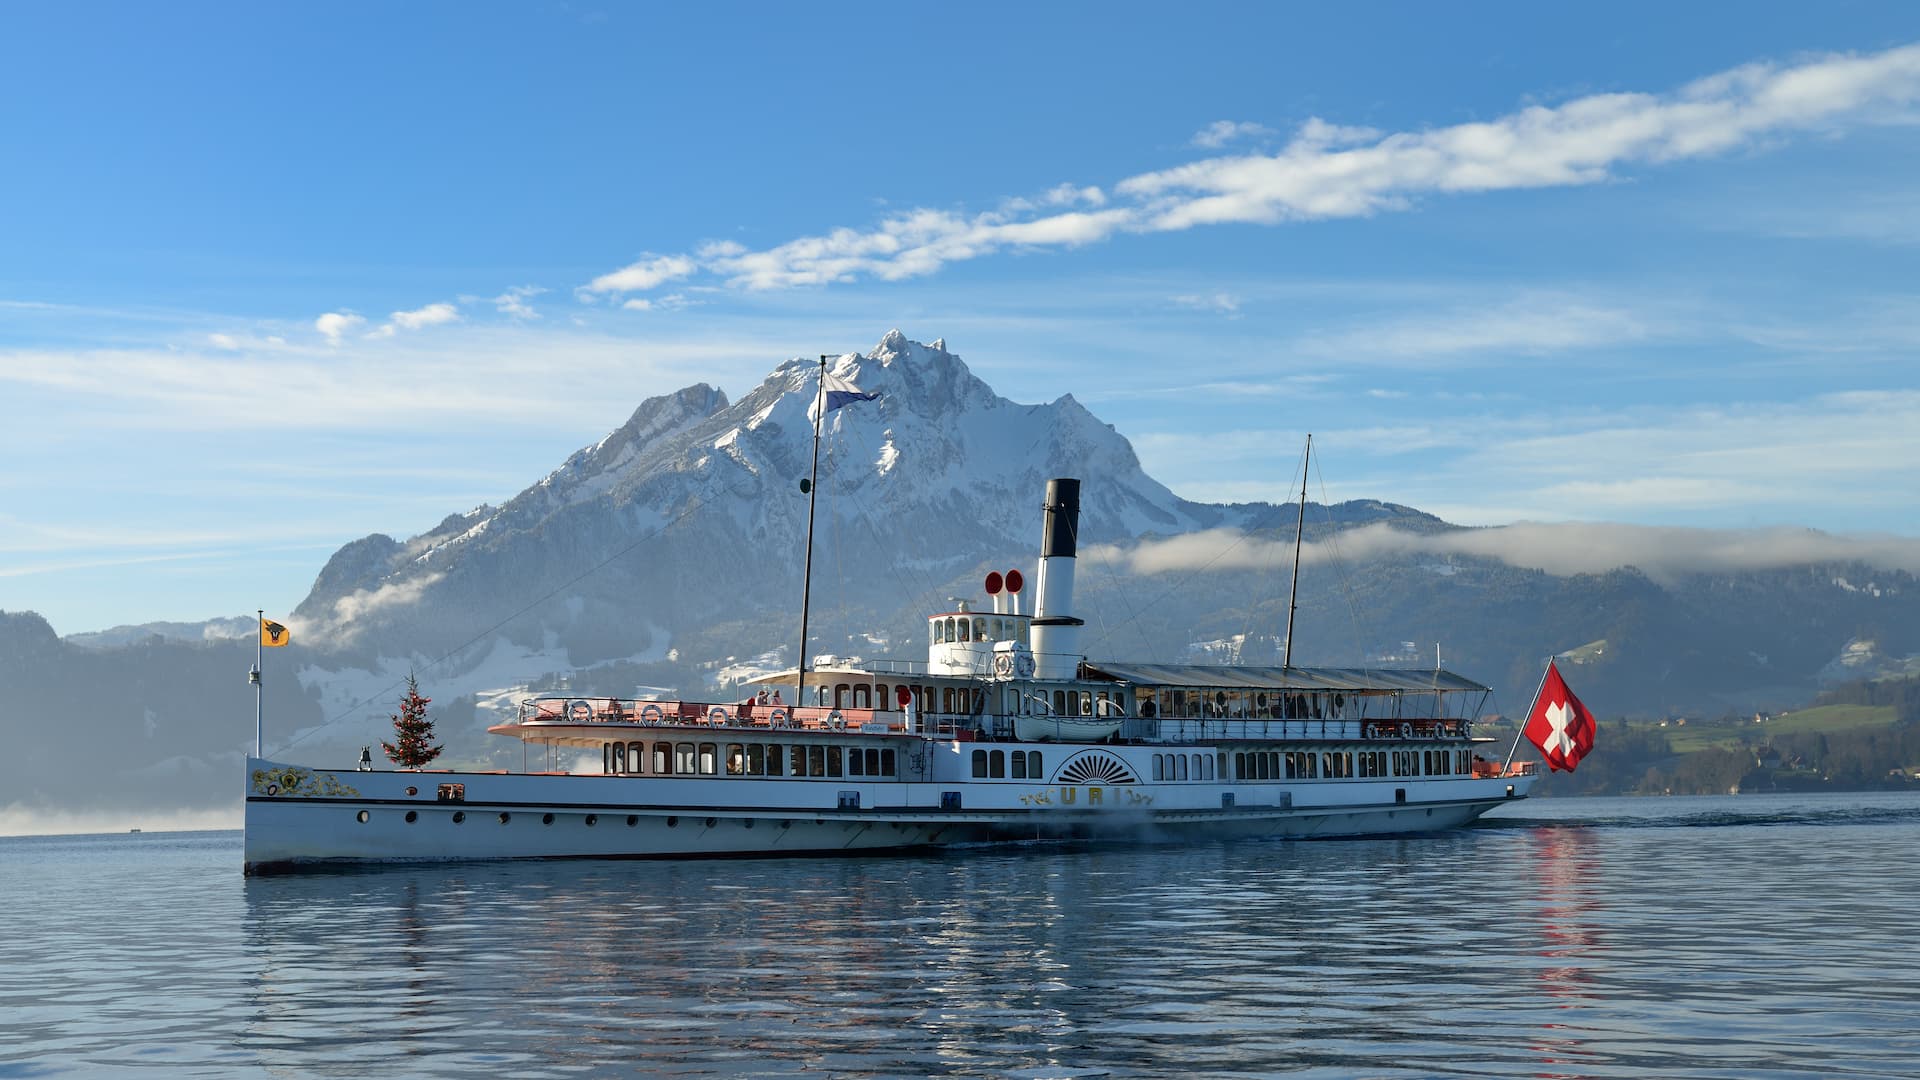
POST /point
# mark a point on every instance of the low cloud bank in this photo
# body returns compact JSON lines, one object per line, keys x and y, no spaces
{"x":1662,"y":553}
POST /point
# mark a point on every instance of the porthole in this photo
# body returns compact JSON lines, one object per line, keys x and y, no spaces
{"x":787,"y":823}
{"x":673,"y":823}
{"x":413,"y":791}
{"x":711,"y":822}
{"x":748,"y":822}
{"x":459,"y":816}
{"x":593,"y":819}
{"x":632,"y":820}
{"x":505,"y":817}
{"x":361,"y":817}
{"x":546,"y":819}
{"x":413,"y":816}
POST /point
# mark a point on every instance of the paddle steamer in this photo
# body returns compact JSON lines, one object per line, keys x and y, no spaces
{"x":1006,"y":732}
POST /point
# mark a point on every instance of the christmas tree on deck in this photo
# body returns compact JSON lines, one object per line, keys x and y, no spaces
{"x":414,"y":731}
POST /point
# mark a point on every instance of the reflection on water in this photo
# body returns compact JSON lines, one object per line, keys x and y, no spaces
{"x":1566,"y":909}
{"x":1615,"y":944}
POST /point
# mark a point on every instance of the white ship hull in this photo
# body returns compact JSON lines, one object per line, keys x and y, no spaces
{"x":329,"y":817}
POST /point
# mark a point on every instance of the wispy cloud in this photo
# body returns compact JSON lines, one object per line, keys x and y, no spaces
{"x":1829,"y":453}
{"x":431,"y":315}
{"x":1331,"y":171}
{"x":650,"y":271}
{"x":1220,"y":303}
{"x":1221,"y":132}
{"x":1529,"y":325}
{"x":513,"y":302}
{"x":335,"y":325}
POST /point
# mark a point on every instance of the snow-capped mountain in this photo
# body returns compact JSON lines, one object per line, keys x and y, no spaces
{"x":692,"y":513}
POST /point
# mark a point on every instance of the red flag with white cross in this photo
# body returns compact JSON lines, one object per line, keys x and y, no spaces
{"x":1558,"y":724}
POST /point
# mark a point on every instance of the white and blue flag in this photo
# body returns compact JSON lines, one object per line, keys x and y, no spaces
{"x":835,"y":392}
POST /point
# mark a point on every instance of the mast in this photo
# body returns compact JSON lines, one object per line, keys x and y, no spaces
{"x":1299,"y":532}
{"x":813,"y":493}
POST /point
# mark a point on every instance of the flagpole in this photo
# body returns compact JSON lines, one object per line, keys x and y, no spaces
{"x":259,"y":656}
{"x":1521,"y":729}
{"x":813,"y":494}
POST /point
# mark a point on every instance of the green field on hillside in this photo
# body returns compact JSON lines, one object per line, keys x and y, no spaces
{"x":1731,"y":734}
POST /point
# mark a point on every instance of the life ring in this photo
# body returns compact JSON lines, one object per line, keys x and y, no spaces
{"x":835,"y":720}
{"x":717,"y":715}
{"x":777,"y":718}
{"x":651,"y":714}
{"x":1406,"y":731}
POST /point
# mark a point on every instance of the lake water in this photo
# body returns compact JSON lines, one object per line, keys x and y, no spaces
{"x":1751,"y":936}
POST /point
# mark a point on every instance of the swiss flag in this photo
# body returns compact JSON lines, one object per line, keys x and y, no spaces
{"x":1558,"y":724}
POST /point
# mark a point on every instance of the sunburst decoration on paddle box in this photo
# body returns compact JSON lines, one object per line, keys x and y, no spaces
{"x":1095,"y":767}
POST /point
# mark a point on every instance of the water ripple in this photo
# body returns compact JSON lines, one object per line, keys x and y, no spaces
{"x":1751,"y":937}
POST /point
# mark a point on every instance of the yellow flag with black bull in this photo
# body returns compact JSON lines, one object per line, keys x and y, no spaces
{"x":273,"y":634}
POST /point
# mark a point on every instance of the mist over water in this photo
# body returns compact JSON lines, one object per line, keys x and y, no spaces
{"x":1756,"y":936}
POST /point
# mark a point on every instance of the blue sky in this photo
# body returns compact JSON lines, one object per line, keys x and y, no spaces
{"x":273,"y":278}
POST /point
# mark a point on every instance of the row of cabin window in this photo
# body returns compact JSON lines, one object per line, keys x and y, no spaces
{"x":969,"y":701}
{"x":1066,"y":703}
{"x":1340,"y":764}
{"x":946,"y":699}
{"x":992,"y":765}
{"x":746,"y":759}
{"x":1183,"y":766}
{"x":978,"y":628}
{"x":1242,"y":704}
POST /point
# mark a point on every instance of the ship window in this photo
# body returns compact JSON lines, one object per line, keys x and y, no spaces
{"x":886,"y":762}
{"x":833,"y":761}
{"x":775,"y":759}
{"x":756,"y":760}
{"x":1086,"y":703}
{"x":662,"y":758}
{"x":979,"y":629}
{"x":964,"y":629}
{"x":816,"y":761}
{"x":1207,"y":760}
{"x":881,"y":698}
{"x":1019,"y":764}
{"x":683,"y":758}
{"x":709,"y":758}
{"x":1262,"y":770}
{"x":997,"y":765}
{"x":606,"y":757}
{"x":736,"y":759}
{"x":856,"y":762}
{"x":979,"y":763}
{"x":619,"y":762}
{"x":1059,"y":703}
{"x":1159,"y":768}
{"x":1239,"y":765}
{"x":1180,"y":766}
{"x":636,"y":757}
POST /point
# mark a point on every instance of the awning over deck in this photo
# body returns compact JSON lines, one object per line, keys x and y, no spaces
{"x":1301,"y":679}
